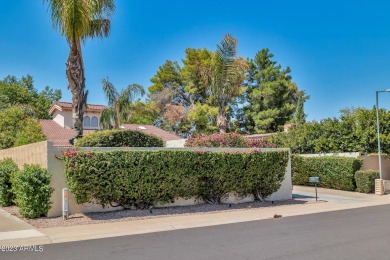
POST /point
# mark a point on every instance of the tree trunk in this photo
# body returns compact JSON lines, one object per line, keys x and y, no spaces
{"x":76,"y":84}
{"x":222,"y":118}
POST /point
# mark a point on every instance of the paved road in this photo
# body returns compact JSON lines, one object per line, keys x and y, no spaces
{"x":362,"y":233}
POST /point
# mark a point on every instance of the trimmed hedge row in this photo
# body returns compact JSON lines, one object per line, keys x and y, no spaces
{"x":7,"y":168}
{"x":119,"y":138}
{"x":32,"y":191}
{"x":334,"y":172}
{"x":146,"y":178}
{"x":365,"y":180}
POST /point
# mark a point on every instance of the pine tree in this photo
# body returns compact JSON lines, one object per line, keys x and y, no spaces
{"x":271,"y":95}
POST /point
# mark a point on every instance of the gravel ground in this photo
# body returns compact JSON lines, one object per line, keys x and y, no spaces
{"x":128,"y":215}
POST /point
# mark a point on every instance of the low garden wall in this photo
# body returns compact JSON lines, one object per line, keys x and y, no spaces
{"x":48,"y":156}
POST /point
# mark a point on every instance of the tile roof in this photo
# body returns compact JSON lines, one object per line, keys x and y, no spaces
{"x":60,"y":136}
{"x":68,"y":106}
{"x":153,"y":130}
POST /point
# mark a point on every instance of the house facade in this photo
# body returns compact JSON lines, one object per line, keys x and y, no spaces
{"x":60,"y":130}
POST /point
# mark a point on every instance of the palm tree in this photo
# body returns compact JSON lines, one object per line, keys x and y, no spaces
{"x":118,"y":103}
{"x":78,"y":20}
{"x":227,"y":77}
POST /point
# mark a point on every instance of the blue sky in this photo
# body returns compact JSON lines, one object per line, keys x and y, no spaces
{"x":339,"y":51}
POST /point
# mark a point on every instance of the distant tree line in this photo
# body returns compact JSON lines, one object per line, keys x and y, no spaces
{"x":220,"y":91}
{"x":354,"y":131}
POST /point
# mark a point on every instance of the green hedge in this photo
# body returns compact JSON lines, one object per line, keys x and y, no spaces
{"x":32,"y":191}
{"x":365,"y":180}
{"x":119,"y":138}
{"x":7,"y":168}
{"x":334,"y":172}
{"x":145,"y":178}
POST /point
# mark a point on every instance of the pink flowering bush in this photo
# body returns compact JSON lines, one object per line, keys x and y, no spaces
{"x":228,"y":140}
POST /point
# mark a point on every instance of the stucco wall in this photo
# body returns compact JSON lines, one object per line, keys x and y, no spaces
{"x":175,"y":143}
{"x":35,"y":153}
{"x":59,"y":118}
{"x":371,"y":162}
{"x":352,"y":155}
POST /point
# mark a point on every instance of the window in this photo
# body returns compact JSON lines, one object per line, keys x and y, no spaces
{"x":94,"y":121}
{"x":87,"y":121}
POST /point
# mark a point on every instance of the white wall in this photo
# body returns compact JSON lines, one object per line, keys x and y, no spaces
{"x":59,"y":118}
{"x":175,"y":143}
{"x":352,"y":155}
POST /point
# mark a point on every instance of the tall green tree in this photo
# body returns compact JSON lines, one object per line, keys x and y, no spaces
{"x":78,"y":20}
{"x":228,"y":75}
{"x":271,"y":95}
{"x":17,"y":127}
{"x":299,"y":114}
{"x":118,"y":103}
{"x":22,"y":93}
{"x":142,"y":113}
{"x":196,"y":72}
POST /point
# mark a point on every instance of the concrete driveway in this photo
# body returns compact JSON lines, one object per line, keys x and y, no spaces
{"x":336,"y":196}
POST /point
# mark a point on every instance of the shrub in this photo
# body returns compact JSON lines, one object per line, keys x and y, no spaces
{"x":334,"y":172}
{"x":145,"y":178}
{"x":7,"y":168}
{"x":365,"y":180}
{"x":32,"y":191}
{"x":119,"y":138}
{"x":227,"y":140}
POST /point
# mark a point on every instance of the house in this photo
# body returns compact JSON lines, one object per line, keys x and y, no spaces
{"x":59,"y":130}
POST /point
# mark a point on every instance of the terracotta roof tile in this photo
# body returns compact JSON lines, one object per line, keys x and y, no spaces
{"x":60,"y":136}
{"x":68,"y":105}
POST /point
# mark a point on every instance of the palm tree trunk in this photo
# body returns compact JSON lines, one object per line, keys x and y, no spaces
{"x":76,"y":84}
{"x":222,"y":118}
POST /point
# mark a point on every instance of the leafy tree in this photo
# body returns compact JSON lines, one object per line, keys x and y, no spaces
{"x":78,"y":20}
{"x":227,"y":78}
{"x":118,"y":103}
{"x":142,"y":113}
{"x":271,"y":95}
{"x":196,"y":74}
{"x":354,"y":131}
{"x":204,"y":118}
{"x":21,"y":92}
{"x":18,"y":128}
{"x":167,"y":76}
{"x":299,"y":115}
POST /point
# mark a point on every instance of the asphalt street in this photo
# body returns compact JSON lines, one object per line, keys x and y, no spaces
{"x":362,"y":233}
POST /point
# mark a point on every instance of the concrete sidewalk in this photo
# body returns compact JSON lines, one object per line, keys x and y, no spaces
{"x":335,"y":200}
{"x":12,"y":228}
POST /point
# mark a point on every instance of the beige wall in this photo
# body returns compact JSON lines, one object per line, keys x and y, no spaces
{"x":35,"y":153}
{"x":371,"y":162}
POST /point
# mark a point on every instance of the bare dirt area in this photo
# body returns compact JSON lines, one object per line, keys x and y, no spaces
{"x":130,"y":214}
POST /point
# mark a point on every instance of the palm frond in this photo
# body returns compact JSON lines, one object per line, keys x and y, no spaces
{"x":110,"y":92}
{"x":78,"y":19}
{"x":131,"y":92}
{"x":99,"y":28}
{"x":107,"y":118}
